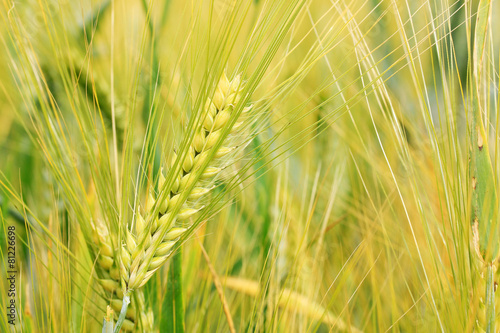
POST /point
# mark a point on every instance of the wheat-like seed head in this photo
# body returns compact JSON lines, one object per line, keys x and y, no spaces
{"x":111,"y":283}
{"x":156,"y":234}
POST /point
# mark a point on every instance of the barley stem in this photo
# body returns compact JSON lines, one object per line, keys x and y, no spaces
{"x":175,"y":312}
{"x":484,"y":196}
{"x":123,"y":313}
{"x":490,"y":299}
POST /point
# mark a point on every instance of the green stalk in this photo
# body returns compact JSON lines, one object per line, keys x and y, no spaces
{"x":484,"y":196}
{"x":174,"y":321}
{"x":123,"y":312}
{"x":490,"y":300}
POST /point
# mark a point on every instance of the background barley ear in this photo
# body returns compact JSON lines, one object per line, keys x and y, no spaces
{"x":138,"y":316}
{"x":485,"y":217}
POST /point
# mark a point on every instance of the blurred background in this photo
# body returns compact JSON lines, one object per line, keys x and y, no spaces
{"x":353,"y":204}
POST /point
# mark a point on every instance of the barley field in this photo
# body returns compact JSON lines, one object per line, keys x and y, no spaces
{"x":249,"y":166}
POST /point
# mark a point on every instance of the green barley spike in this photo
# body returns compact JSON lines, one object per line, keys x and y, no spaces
{"x":484,"y":196}
{"x":155,"y":241}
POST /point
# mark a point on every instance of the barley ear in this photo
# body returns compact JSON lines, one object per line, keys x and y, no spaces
{"x":486,"y":232}
{"x":111,"y":283}
{"x":156,"y":241}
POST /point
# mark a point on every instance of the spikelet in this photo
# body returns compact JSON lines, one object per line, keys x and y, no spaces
{"x":156,"y":241}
